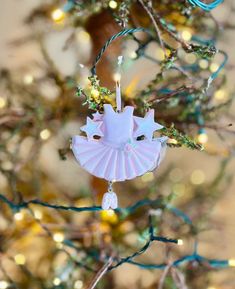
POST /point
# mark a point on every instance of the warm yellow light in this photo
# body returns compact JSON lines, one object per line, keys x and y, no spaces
{"x":186,"y":35}
{"x":83,"y":36}
{"x":109,"y":216}
{"x":179,"y":188}
{"x":160,"y":56}
{"x":211,"y":287}
{"x":231,"y":262}
{"x":220,"y":94}
{"x":202,"y":138}
{"x":57,"y":15}
{"x":133,"y":54}
{"x":59,"y":246}
{"x":3,"y":284}
{"x":78,"y":284}
{"x":95,"y":93}
{"x":148,"y":177}
{"x":180,"y":242}
{"x":20,"y":259}
{"x":203,"y":63}
{"x":56,"y":281}
{"x":38,"y":214}
{"x":2,"y":102}
{"x":113,"y":4}
{"x":190,"y":58}
{"x":18,"y":216}
{"x":197,"y":177}
{"x":28,"y":79}
{"x":117,"y":76}
{"x":45,"y":134}
{"x":126,"y":226}
{"x":214,"y":67}
{"x":58,"y":237}
{"x":104,"y":227}
{"x":172,"y":141}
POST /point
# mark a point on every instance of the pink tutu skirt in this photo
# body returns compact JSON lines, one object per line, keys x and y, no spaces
{"x":118,"y":163}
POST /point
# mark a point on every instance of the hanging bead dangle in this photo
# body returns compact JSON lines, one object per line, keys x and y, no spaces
{"x":110,"y":200}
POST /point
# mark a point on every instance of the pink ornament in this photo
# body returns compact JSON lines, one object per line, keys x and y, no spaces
{"x":118,"y":155}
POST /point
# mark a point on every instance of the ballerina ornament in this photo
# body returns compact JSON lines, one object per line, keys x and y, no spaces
{"x":125,"y":149}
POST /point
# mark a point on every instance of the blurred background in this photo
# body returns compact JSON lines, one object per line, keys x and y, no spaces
{"x":44,"y":54}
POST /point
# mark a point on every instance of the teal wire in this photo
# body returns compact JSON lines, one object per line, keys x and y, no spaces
{"x":123,"y":32}
{"x":222,"y":65}
{"x":204,"y":6}
{"x":129,"y":259}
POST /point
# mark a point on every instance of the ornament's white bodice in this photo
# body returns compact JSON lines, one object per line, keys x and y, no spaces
{"x":118,"y":126}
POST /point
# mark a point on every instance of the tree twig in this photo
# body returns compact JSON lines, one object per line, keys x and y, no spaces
{"x":100,"y":274}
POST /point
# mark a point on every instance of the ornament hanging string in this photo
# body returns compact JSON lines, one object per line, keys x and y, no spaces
{"x":123,"y":32}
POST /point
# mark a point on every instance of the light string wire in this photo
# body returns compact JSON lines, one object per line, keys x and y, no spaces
{"x":213,"y":263}
{"x":204,"y":6}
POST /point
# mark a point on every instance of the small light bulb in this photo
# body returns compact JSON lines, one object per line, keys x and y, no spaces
{"x":220,"y":94}
{"x":38,"y":214}
{"x":202,"y":138}
{"x":18,"y":216}
{"x":83,"y":36}
{"x":203,"y":63}
{"x":109,"y":216}
{"x":56,"y":281}
{"x":78,"y":284}
{"x":113,"y":4}
{"x":186,"y":35}
{"x":3,"y":284}
{"x":95,"y":93}
{"x":2,"y":102}
{"x":20,"y":259}
{"x":59,"y":246}
{"x":160,"y":56}
{"x":180,"y":242}
{"x":148,"y":177}
{"x":231,"y":262}
{"x":179,"y":188}
{"x":28,"y":79}
{"x":190,"y":58}
{"x":133,"y":54}
{"x":172,"y":141}
{"x":58,"y":237}
{"x":197,"y":177}
{"x":214,"y":67}
{"x":45,"y":134}
{"x":57,"y":15}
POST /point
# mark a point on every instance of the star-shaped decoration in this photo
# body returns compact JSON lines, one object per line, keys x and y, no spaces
{"x":92,"y":128}
{"x":146,"y":126}
{"x":97,"y":116}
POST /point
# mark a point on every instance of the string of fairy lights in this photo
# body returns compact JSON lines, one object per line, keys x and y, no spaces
{"x":197,"y":177}
{"x":61,"y":242}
